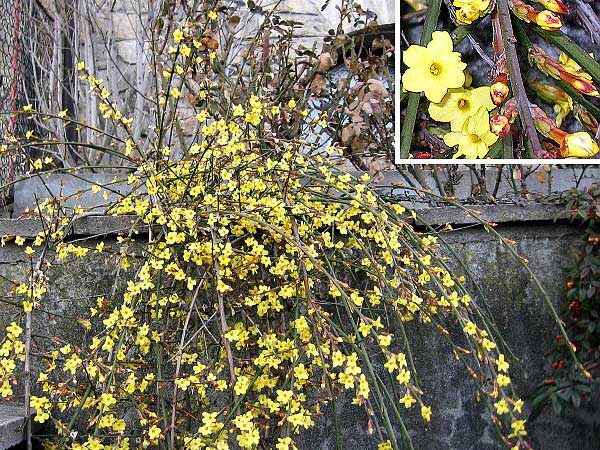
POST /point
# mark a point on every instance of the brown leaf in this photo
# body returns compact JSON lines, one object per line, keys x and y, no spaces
{"x":326,"y":62}
{"x":232,"y":23}
{"x":318,"y":86}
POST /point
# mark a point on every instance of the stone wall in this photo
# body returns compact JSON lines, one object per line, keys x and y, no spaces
{"x":459,"y":422}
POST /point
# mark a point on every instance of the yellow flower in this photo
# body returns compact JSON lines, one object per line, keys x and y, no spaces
{"x":518,"y":428}
{"x":502,"y":364}
{"x":475,"y":138}
{"x":426,"y":413}
{"x":459,"y":104}
{"x":470,"y":10}
{"x":501,"y":407}
{"x":154,"y":432}
{"x":433,"y":69}
{"x":177,"y":35}
{"x":470,"y":328}
{"x":407,"y":400}
{"x":579,"y":145}
{"x":503,"y":380}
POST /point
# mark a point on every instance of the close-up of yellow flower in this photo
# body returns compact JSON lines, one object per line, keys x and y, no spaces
{"x":433,"y":69}
{"x":475,"y":137}
{"x":470,"y":10}
{"x":459,"y":104}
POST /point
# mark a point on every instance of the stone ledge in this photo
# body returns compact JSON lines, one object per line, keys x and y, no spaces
{"x":83,"y":226}
{"x":99,"y":225}
{"x":535,"y":212}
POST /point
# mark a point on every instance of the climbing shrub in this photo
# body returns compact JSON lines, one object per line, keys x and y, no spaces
{"x":568,"y":386}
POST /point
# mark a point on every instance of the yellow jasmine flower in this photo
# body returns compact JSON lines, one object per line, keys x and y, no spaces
{"x":459,"y":104}
{"x":501,"y":407}
{"x":407,"y":400}
{"x":433,"y":69}
{"x":177,"y":35}
{"x":426,"y":413}
{"x":579,"y":145}
{"x":518,"y":405}
{"x":503,"y":380}
{"x":502,"y":364}
{"x":518,"y":427}
{"x":475,"y":138}
{"x":470,"y":328}
{"x":470,"y":10}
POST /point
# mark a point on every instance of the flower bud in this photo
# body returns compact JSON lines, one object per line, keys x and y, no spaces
{"x":548,"y":92}
{"x":499,"y":125}
{"x":510,"y":109}
{"x":582,"y":85}
{"x":499,"y":89}
{"x":548,"y":20}
{"x":585,"y":118}
{"x":521,"y":9}
{"x":578,"y":145}
{"x":546,"y":125}
{"x":556,"y":6}
{"x":545,"y":64}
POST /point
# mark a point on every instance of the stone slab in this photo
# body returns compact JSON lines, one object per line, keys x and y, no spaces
{"x":12,"y":424}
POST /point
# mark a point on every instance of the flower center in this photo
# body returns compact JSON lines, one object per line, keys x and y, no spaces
{"x":434,"y":69}
{"x":463,"y":103}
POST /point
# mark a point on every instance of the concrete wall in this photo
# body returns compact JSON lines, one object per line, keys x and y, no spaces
{"x":459,"y":422}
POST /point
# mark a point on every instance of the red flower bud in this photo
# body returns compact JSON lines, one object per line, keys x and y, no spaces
{"x":547,"y":20}
{"x":499,"y":91}
{"x":556,"y":6}
{"x":422,"y":155}
{"x":499,"y":125}
{"x":581,"y":84}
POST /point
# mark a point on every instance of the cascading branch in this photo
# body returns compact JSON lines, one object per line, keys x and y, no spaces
{"x":267,"y":285}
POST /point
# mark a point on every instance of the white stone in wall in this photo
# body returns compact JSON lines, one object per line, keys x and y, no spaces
{"x":124,"y":26}
{"x":130,"y":6}
{"x":127,"y":51}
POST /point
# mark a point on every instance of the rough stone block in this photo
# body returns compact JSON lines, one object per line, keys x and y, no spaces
{"x":12,"y":424}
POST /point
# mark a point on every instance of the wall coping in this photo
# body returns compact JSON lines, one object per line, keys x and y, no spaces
{"x":102,"y":225}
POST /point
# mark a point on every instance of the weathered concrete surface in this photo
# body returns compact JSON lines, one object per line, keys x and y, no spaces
{"x":459,"y":421}
{"x":12,"y":424}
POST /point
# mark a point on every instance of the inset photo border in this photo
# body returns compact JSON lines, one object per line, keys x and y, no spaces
{"x":502,"y":81}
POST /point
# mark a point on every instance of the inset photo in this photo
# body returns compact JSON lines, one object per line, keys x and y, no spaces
{"x":499,"y":79}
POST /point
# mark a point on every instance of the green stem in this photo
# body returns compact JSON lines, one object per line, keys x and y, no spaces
{"x":433,"y":12}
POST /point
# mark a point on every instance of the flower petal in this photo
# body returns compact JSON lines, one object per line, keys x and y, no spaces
{"x":453,"y":138}
{"x":416,"y":55}
{"x":435,"y":91}
{"x":481,"y":97}
{"x":446,"y":110}
{"x":441,"y":43}
{"x":414,"y":80}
